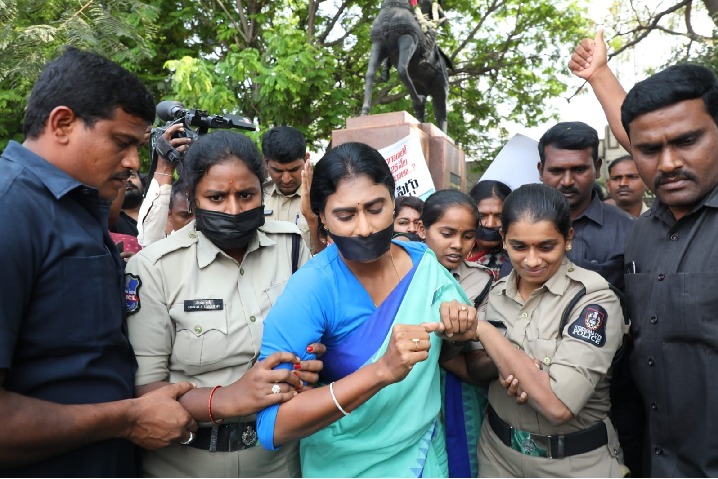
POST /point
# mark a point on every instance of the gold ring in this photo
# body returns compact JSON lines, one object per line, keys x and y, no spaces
{"x":416,"y":343}
{"x":463,"y":308}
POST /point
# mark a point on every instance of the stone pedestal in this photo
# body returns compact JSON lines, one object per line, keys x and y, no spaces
{"x":445,"y":159}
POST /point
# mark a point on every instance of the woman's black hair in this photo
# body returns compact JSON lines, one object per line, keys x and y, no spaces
{"x":436,"y":205}
{"x":489,"y":189}
{"x":346,"y":161}
{"x":218,"y":147}
{"x":413,"y":202}
{"x":536,"y":202}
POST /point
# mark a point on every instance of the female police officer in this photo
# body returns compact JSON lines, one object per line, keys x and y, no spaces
{"x":197,"y":301}
{"x":450,"y":220}
{"x":559,"y":344}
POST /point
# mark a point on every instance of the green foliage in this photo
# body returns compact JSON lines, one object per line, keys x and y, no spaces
{"x":303,"y":62}
{"x":278,"y":72}
{"x":34,"y":31}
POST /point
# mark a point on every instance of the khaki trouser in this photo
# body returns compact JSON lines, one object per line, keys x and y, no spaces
{"x":185,"y":461}
{"x":498,"y":460}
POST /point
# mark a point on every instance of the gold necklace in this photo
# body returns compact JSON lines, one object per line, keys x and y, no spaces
{"x":394,"y":265}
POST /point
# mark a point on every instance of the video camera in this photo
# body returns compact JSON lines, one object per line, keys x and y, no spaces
{"x":174,"y":112}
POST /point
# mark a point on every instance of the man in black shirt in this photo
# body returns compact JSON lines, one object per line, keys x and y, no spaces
{"x":671,"y":259}
{"x":672,"y":264}
{"x":569,"y":162}
{"x":67,"y":368}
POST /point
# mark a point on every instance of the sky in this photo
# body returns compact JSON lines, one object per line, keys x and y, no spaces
{"x":630,"y":68}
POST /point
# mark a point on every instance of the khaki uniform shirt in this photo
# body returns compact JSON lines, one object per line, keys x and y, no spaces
{"x":200,"y":313}
{"x":199,"y":319}
{"x":473,"y":278}
{"x":579,"y":363}
{"x":286,"y":208}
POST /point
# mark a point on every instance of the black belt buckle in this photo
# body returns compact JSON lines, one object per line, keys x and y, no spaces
{"x":242,"y":437}
{"x":556,"y":447}
{"x":229,"y":437}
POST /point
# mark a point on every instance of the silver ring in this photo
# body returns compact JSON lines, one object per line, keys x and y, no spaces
{"x":188,"y":441}
{"x":463,"y":308}
{"x":276,"y":389}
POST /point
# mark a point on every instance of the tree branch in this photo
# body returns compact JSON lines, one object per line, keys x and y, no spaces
{"x":243,"y":21}
{"x":491,"y":9}
{"x":311,"y":17}
{"x":77,"y":13}
{"x":645,"y":30}
{"x":236,"y":39}
{"x":332,"y":23}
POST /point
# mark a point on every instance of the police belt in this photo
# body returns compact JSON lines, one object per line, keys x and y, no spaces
{"x":234,"y":436}
{"x":552,"y":447}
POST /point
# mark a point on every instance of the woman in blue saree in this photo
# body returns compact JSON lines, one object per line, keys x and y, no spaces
{"x":374,"y":303}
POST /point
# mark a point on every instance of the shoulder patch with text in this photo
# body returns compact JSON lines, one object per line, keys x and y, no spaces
{"x":132,"y":293}
{"x":590,"y":325}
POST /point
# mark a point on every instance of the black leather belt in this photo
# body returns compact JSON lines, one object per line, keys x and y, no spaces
{"x":233,"y":436}
{"x":556,"y":447}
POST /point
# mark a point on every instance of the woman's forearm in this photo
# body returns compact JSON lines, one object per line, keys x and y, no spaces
{"x":315,"y":409}
{"x":481,"y":367}
{"x":510,"y":360}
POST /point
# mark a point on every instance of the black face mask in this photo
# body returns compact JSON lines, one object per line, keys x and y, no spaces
{"x":229,"y":232}
{"x":485,"y":233}
{"x":355,"y":248}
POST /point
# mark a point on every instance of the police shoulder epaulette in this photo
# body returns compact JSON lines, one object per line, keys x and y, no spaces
{"x":279,"y":227}
{"x":176,"y":241}
{"x":590,"y":280}
{"x":474,"y":264}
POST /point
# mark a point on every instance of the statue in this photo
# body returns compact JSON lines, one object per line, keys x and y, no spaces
{"x":407,"y":40}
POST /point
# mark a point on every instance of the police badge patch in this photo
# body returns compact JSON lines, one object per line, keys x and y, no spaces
{"x":132,"y":293}
{"x":590,"y":325}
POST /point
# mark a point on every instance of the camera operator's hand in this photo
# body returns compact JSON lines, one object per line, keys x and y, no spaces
{"x":165,"y":170}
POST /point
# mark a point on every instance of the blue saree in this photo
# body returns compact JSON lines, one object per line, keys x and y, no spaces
{"x":397,"y":433}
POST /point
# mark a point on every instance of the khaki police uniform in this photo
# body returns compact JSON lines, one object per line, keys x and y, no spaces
{"x":578,"y":365}
{"x":473,"y":279}
{"x":198,"y":317}
{"x":286,"y":208}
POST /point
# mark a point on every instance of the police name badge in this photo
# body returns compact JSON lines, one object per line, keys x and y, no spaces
{"x":203,"y":305}
{"x":590,"y":326}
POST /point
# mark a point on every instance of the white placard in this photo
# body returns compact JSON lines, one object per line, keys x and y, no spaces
{"x":408,"y":166}
{"x":516,"y":163}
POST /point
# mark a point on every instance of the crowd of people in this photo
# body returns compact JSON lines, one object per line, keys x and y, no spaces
{"x":254,"y":316}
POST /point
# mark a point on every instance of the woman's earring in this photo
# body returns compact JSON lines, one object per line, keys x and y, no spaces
{"x":568,"y":247}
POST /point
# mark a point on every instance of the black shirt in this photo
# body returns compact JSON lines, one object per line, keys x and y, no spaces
{"x":672,"y":292}
{"x":600,"y":235}
{"x":125,"y":225}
